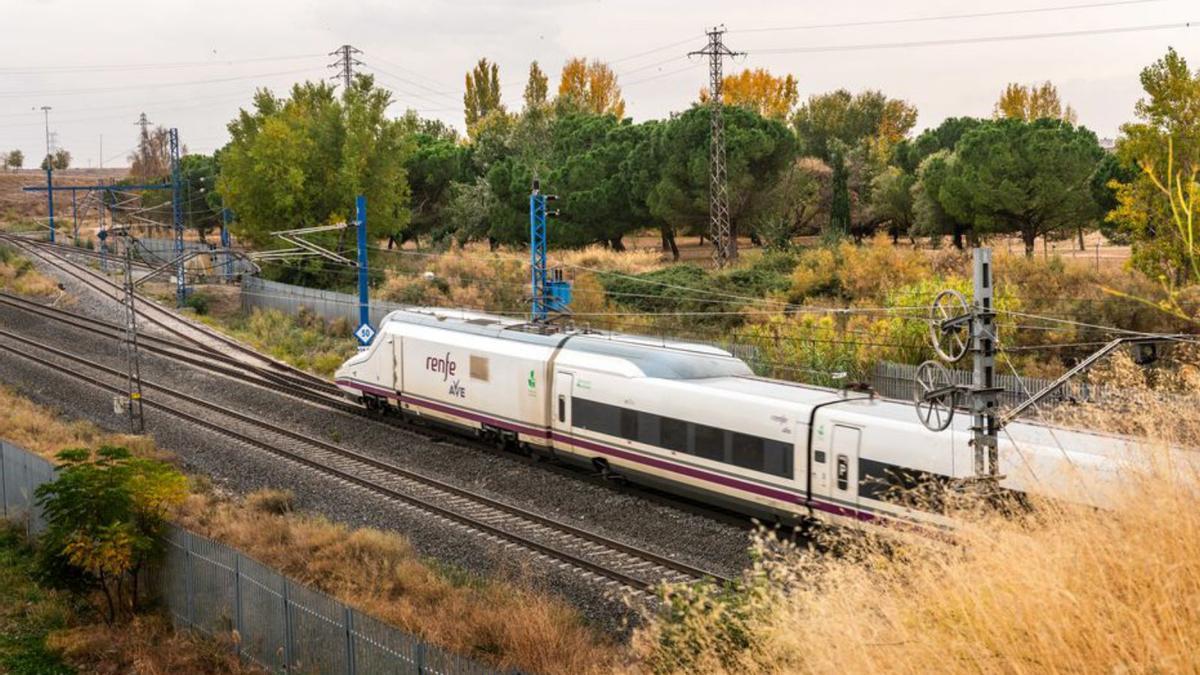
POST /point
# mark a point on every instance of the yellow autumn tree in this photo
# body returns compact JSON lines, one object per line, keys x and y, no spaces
{"x":760,"y":91}
{"x":591,"y":87}
{"x":1033,"y":102}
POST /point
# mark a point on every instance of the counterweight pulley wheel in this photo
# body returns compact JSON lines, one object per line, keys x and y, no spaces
{"x":950,"y":325}
{"x":934,"y":395}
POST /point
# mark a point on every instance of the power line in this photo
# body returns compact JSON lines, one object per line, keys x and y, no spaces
{"x":942,"y":17}
{"x":98,"y":90}
{"x":976,"y":40}
{"x":25,"y":70}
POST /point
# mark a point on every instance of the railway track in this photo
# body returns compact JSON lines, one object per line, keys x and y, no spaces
{"x":200,"y":336}
{"x":206,"y":361}
{"x":595,"y":556}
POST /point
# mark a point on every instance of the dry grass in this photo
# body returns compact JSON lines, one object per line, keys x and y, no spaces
{"x":379,"y":573}
{"x":375,"y":571}
{"x":40,"y":430}
{"x":475,"y":278}
{"x":148,"y":645}
{"x":18,"y":275}
{"x":1063,"y":589}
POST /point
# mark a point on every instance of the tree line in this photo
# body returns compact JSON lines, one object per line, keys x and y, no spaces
{"x":841,"y":164}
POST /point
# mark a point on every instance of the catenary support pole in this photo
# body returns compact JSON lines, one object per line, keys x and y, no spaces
{"x":225,"y":244}
{"x":177,"y":212}
{"x":984,"y":428}
{"x":50,"y":196}
{"x":537,"y":253}
{"x":364,"y":306}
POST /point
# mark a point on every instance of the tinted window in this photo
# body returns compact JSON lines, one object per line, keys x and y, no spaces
{"x":648,"y":429}
{"x":748,"y":452}
{"x":674,"y":434}
{"x":709,"y":442}
{"x":743,"y":450}
{"x":778,"y":458}
{"x":901,"y":485}
{"x":598,"y":417}
{"x":629,"y":424}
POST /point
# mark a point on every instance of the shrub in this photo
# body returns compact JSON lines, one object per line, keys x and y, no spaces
{"x":198,"y":301}
{"x":106,"y":515}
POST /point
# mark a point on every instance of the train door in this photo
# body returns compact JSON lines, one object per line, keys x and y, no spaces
{"x":383,"y":363}
{"x":843,"y":450}
{"x":563,"y":385}
{"x":397,"y":363}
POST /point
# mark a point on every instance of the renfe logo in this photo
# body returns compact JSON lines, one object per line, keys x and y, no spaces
{"x":447,"y":367}
{"x":441,"y":364}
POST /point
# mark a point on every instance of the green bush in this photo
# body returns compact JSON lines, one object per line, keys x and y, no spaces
{"x":199,"y":302}
{"x":106,"y":516}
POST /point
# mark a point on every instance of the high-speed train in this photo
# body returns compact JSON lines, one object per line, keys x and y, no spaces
{"x":694,"y":420}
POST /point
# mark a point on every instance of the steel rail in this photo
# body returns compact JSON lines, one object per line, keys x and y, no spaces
{"x":155,"y":313}
{"x":421,"y":503}
{"x":214,"y":363}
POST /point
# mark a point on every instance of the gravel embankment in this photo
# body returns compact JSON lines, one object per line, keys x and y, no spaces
{"x":239,"y":469}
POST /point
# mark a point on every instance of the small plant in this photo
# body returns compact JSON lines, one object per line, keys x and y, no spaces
{"x":198,"y":302}
{"x":106,"y":516}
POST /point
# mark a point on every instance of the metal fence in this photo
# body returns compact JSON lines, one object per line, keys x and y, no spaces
{"x":21,"y":472}
{"x":329,"y":305}
{"x":895,"y":380}
{"x":216,"y":590}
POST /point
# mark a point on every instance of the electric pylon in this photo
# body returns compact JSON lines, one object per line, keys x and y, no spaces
{"x":720,"y":230}
{"x":345,"y":65}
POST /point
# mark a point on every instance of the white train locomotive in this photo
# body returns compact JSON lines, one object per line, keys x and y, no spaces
{"x":694,"y":420}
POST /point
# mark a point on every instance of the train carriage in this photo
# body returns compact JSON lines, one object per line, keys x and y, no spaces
{"x":694,"y":420}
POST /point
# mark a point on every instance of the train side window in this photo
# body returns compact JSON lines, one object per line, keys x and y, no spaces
{"x":843,"y":472}
{"x":709,"y":442}
{"x":819,"y":456}
{"x":595,"y":416}
{"x":674,"y":434}
{"x":629,"y":424}
{"x":777,"y":458}
{"x":748,"y":452}
{"x":562,"y":408}
{"x":648,"y":429}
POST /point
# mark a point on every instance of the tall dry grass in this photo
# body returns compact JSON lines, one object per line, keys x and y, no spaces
{"x":475,"y":278}
{"x":18,"y":275}
{"x":379,"y":572}
{"x":1061,"y":588}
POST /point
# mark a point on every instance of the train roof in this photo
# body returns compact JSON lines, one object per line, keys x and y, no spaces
{"x":664,"y":359}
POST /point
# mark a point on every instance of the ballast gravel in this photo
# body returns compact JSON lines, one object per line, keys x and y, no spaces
{"x":239,"y":469}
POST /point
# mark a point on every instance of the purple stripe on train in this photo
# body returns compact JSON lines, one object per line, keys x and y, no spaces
{"x":699,"y":474}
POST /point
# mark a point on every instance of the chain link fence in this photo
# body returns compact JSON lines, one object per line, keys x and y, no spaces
{"x":896,"y":380}
{"x":329,"y":305}
{"x":275,"y":622}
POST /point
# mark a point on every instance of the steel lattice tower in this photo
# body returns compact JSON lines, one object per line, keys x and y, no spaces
{"x":345,"y":64}
{"x":720,"y":230}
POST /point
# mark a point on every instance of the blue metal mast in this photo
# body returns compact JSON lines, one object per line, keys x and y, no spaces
{"x":177,"y":203}
{"x":225,"y":243}
{"x":550,"y":292}
{"x":364,"y":307}
{"x":537,"y":252}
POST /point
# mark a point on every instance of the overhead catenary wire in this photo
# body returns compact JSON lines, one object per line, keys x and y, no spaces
{"x":944,"y":17}
{"x":942,"y":42}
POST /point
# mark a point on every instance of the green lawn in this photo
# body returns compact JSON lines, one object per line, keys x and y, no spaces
{"x":28,"y":613}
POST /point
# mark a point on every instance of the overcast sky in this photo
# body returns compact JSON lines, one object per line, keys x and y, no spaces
{"x":193,"y":64}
